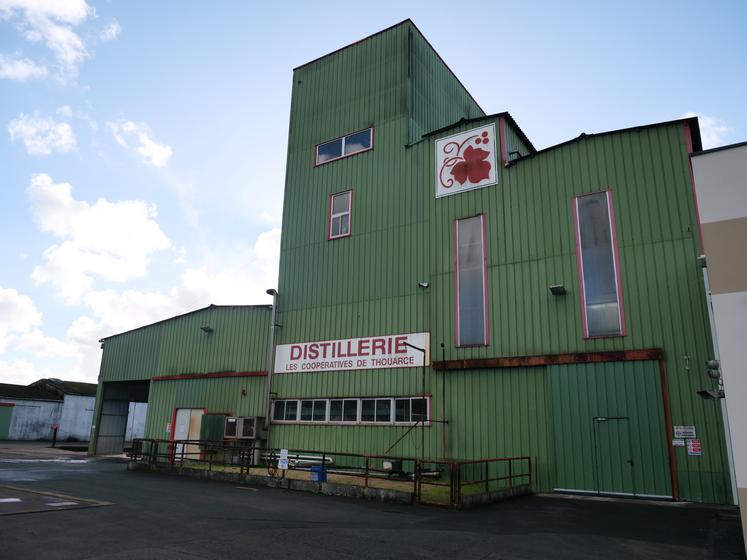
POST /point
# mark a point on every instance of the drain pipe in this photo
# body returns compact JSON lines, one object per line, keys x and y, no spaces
{"x":271,"y":359}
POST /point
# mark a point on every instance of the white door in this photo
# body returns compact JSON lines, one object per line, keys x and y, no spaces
{"x":188,"y":423}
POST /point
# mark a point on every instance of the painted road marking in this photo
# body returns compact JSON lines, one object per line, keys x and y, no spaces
{"x":62,"y":504}
{"x":24,"y":500}
{"x":9,"y":500}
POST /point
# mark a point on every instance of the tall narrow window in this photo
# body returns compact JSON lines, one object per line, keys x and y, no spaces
{"x":471,"y":282}
{"x":340,"y":210}
{"x":598,"y":265}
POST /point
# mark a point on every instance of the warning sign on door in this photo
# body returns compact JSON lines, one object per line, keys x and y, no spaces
{"x":693,"y":447}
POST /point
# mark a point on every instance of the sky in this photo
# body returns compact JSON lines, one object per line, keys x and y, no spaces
{"x":143,"y":143}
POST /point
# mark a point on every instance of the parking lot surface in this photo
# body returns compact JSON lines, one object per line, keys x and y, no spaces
{"x":161,"y":516}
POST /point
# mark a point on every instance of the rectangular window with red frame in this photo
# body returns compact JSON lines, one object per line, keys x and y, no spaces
{"x":598,"y":266}
{"x":340,"y":215}
{"x":471,"y":282}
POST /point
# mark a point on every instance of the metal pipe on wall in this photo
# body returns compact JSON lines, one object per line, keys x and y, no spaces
{"x":271,"y":358}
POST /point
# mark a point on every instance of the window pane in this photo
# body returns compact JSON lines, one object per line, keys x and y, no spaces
{"x":598,"y":265}
{"x":351,"y":411}
{"x":341,"y":203}
{"x":230,"y":430}
{"x":402,"y":410}
{"x":335,"y":411}
{"x":358,"y":142}
{"x":279,"y":411}
{"x":328,"y":151}
{"x":291,"y":410}
{"x":320,"y":411}
{"x":334,"y":229}
{"x":383,"y":410}
{"x":307,"y":408}
{"x":344,"y":224}
{"x":367,"y":410}
{"x":419,"y":410}
{"x":471,"y":280}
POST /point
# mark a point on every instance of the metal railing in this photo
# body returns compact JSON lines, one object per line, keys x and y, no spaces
{"x":433,"y":481}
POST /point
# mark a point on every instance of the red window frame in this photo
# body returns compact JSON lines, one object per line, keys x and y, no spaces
{"x":616,"y":261}
{"x":486,"y":312}
{"x":344,"y":155}
{"x":330,"y":237}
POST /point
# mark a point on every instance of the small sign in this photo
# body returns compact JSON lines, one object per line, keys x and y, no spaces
{"x":283,"y":461}
{"x":686,"y":432}
{"x":168,"y":428}
{"x":694,"y":448}
{"x":678,"y":443}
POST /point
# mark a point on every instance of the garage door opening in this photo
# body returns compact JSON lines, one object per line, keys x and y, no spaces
{"x":121,"y":416}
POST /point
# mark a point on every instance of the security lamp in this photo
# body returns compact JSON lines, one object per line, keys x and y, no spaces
{"x":423,"y":284}
{"x":558,"y":290}
{"x":711,"y":394}
{"x":702,"y":261}
{"x":714,"y":369}
{"x":206,"y":328}
{"x":271,"y":292}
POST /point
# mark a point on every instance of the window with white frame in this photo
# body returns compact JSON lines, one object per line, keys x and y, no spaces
{"x":598,"y":264}
{"x":471,"y":282}
{"x":348,"y":145}
{"x":340,"y":213}
{"x":365,"y":410}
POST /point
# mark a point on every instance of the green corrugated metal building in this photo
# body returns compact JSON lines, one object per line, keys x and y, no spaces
{"x":556,"y":294}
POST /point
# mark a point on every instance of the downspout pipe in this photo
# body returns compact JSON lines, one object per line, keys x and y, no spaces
{"x":271,"y":358}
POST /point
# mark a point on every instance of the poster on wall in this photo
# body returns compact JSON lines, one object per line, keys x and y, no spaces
{"x":466,"y":161}
{"x":370,"y":352}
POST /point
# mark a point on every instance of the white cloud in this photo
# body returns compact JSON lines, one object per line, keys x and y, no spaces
{"x":111,"y":31}
{"x":65,"y":112}
{"x":109,"y":240}
{"x":713,"y":130}
{"x":42,"y":135}
{"x":37,"y":343}
{"x":149,"y":150}
{"x":51,"y":22}
{"x":22,"y":372}
{"x":18,"y":314}
{"x":20,"y":69}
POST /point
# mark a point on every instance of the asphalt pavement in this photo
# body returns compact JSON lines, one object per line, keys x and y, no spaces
{"x":148,"y":515}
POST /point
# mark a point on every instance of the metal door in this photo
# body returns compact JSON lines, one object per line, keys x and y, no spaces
{"x":613,"y":456}
{"x":188,"y":422}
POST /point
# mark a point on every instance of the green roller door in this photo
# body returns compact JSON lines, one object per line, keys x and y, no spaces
{"x":610,"y":433}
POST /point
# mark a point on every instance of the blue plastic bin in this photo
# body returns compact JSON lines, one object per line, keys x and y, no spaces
{"x":319,"y":473}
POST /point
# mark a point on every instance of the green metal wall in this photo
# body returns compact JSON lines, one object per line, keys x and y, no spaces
{"x":216,"y":395}
{"x":401,"y":234}
{"x":178,"y":345}
{"x":6,"y":414}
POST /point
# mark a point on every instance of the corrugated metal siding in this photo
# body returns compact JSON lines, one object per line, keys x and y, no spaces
{"x":437,"y":99}
{"x":514,"y":143}
{"x":238,"y":343}
{"x":215,"y":395}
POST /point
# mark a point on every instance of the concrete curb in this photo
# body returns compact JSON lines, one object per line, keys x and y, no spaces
{"x":326,"y":488}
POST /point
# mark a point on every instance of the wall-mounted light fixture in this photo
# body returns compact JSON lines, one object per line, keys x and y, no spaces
{"x":711,"y":394}
{"x":423,"y":285}
{"x":558,"y":290}
{"x":206,"y":328}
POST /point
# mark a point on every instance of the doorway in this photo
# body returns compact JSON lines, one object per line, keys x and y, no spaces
{"x":613,"y":456}
{"x":187,"y":423}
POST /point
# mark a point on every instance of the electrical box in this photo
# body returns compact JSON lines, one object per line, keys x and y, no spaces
{"x":229,"y":430}
{"x":249,"y":427}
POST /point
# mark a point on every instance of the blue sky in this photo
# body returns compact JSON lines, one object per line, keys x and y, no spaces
{"x":142,"y":143}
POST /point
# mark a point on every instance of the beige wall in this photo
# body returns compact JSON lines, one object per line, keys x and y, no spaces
{"x":721,"y":188}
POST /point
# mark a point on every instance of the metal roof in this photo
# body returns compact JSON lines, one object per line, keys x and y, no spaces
{"x":61,"y":387}
{"x":27,"y":392}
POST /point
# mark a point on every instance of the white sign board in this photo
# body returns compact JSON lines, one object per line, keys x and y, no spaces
{"x":374,"y":352}
{"x":678,"y":443}
{"x":283,"y":460}
{"x":466,"y":161}
{"x":687,"y":432}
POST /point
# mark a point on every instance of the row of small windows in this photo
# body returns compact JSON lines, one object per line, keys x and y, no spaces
{"x":379,"y":410}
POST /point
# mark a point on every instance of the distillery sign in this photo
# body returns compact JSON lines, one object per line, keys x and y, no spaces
{"x":373,"y":352}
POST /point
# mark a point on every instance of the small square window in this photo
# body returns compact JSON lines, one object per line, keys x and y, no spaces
{"x":350,"y":411}
{"x":335,"y":411}
{"x":402,"y":410}
{"x":358,"y":142}
{"x":340,"y":209}
{"x":383,"y":410}
{"x":368,"y":410}
{"x":291,"y":410}
{"x":329,"y":151}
